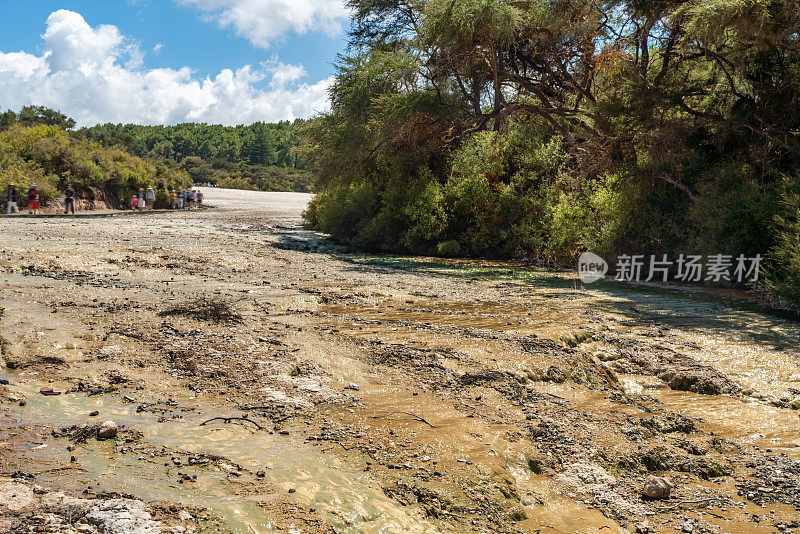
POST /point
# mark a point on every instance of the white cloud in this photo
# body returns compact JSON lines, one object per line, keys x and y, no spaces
{"x":95,"y":75}
{"x":264,"y":21}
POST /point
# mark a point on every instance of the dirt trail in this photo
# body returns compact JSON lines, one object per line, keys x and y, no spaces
{"x":265,"y":381}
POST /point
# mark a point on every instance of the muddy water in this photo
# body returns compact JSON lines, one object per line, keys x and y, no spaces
{"x":348,"y":498}
{"x":756,"y":347}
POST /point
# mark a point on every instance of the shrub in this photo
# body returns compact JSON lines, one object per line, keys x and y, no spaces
{"x":449,"y":249}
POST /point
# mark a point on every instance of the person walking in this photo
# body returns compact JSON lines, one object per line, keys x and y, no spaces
{"x":181,"y":198}
{"x":173,"y":197}
{"x":69,"y":200}
{"x":150,"y":196}
{"x":134,"y":202}
{"x":199,"y":198}
{"x":33,"y":200}
{"x":141,"y":205}
{"x":13,"y":199}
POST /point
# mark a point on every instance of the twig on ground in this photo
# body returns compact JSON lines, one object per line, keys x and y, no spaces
{"x":412,"y":415}
{"x":681,"y":503}
{"x":231,"y":419}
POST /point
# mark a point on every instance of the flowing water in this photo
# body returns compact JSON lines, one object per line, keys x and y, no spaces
{"x":347,"y":497}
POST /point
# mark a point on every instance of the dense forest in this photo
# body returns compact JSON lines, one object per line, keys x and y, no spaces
{"x":543,"y":129}
{"x":260,"y":156}
{"x":36,"y":146}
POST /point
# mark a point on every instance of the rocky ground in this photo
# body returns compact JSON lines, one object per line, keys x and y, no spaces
{"x":259,"y":379}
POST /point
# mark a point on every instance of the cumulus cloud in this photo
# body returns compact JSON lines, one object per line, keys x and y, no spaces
{"x":264,"y":21}
{"x":95,"y":75}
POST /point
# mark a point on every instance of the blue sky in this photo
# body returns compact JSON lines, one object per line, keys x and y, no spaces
{"x":166,"y":61}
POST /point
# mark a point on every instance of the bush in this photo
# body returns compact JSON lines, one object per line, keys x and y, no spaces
{"x":449,"y":249}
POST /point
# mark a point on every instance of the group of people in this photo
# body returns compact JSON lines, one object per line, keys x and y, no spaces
{"x":13,"y":200}
{"x":181,"y":199}
{"x":186,"y":199}
{"x":143,"y":198}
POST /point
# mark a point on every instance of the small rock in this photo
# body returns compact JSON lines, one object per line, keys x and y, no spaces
{"x":656,"y":488}
{"x":183,"y":515}
{"x":94,"y":414}
{"x":352,"y":386}
{"x":107,"y":430}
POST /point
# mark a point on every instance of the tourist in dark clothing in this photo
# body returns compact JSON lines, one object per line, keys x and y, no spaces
{"x":13,"y":199}
{"x":69,"y":200}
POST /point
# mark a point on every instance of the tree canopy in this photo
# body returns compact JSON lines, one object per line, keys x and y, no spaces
{"x":542,"y":128}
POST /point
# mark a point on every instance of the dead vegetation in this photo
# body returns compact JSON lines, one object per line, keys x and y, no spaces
{"x":208,"y":309}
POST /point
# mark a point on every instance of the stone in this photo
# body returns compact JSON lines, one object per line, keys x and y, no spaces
{"x":123,"y":516}
{"x":16,"y":498}
{"x":352,"y":386}
{"x":107,"y":430}
{"x":65,"y":505}
{"x":657,"y":488}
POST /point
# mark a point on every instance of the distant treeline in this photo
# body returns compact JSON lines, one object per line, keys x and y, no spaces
{"x":260,"y":156}
{"x":41,"y":145}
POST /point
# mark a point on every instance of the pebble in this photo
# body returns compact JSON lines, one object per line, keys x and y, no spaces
{"x":656,"y":488}
{"x":107,"y":430}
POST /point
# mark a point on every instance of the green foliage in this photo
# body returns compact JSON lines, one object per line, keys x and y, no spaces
{"x":783,"y":261}
{"x":449,"y":249}
{"x":54,"y":158}
{"x":36,"y":115}
{"x":261,"y":156}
